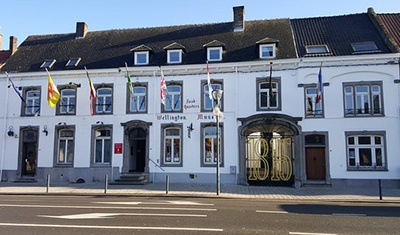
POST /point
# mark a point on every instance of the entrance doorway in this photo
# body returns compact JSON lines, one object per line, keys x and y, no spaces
{"x":315,"y":163}
{"x":29,"y":152}
{"x":137,"y":150}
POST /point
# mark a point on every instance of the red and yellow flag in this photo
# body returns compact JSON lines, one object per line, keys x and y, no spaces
{"x":52,"y":92}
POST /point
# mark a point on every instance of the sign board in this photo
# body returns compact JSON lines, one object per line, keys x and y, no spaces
{"x":117,"y":148}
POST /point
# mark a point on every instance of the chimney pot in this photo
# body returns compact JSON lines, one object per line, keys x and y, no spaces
{"x":81,"y":29}
{"x":238,"y":19}
{"x":13,"y":44}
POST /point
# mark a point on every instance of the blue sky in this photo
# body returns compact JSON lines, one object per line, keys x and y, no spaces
{"x":22,"y":18}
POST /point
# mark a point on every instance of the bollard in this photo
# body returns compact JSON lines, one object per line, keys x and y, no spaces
{"x":105,"y":184}
{"x":48,"y":183}
{"x":380,"y":189}
{"x":166,"y":184}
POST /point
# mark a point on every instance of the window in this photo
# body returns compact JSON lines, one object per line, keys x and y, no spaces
{"x":268,"y":97}
{"x":32,"y":104}
{"x":141,"y":58}
{"x":67,"y":102}
{"x":173,"y":99}
{"x":172,"y":145}
{"x":137,"y":100}
{"x":104,"y":100}
{"x":47,"y":64}
{"x":313,"y":109}
{"x":66,"y":142}
{"x":267,"y":51}
{"x":364,"y":47}
{"x":73,"y":62}
{"x":209,"y":145}
{"x":317,"y":49}
{"x":174,"y":56}
{"x":363,"y":99}
{"x":214,"y":53}
{"x":208,"y":104}
{"x":365,"y":151}
{"x":102,"y":145}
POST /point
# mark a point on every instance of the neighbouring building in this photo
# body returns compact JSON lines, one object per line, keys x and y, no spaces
{"x":305,"y":101}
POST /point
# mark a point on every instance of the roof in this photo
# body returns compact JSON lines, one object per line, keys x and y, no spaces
{"x":390,"y":24}
{"x":4,"y":55}
{"x":112,"y":48}
{"x":337,"y":32}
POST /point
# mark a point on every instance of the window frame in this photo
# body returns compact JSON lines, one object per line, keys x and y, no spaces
{"x":66,"y":163}
{"x":273,"y":45}
{"x":95,"y":129}
{"x":131,"y":99}
{"x":277,"y":89}
{"x":353,"y":150}
{"x":351,"y":97}
{"x":317,"y":49}
{"x":36,"y":105}
{"x":165,"y":109}
{"x":210,"y":49}
{"x":97,"y":103}
{"x":205,"y":96}
{"x":204,"y":126}
{"x":313,"y":113}
{"x":169,"y":52}
{"x":163,"y":158}
{"x":60,"y":105}
{"x":137,"y":59}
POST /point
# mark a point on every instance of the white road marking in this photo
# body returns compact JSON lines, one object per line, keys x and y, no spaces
{"x":110,"y":207}
{"x":300,"y":233}
{"x":111,"y":227}
{"x":186,"y":203}
{"x":112,"y":215}
{"x":272,"y":212}
{"x":345,"y":214}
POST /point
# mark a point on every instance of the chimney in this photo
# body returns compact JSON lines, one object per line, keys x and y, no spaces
{"x":1,"y":40}
{"x":81,"y":29}
{"x":238,"y":19}
{"x":13,"y":44}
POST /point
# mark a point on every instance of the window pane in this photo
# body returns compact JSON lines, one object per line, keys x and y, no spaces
{"x":61,"y":151}
{"x":364,"y":140}
{"x":177,"y":152}
{"x":365,"y":157}
{"x":214,"y":54}
{"x":378,"y":155}
{"x":168,"y":150}
{"x":352,"y":157}
{"x":107,"y":150}
{"x":99,"y":151}
{"x":351,"y":140}
{"x":267,"y":51}
{"x":378,"y":140}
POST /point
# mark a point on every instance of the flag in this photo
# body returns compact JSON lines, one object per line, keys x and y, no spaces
{"x":163,"y":88}
{"x":210,"y":90}
{"x":15,"y":88}
{"x":130,"y":87}
{"x":270,"y":81}
{"x":92,"y":93}
{"x":319,"y":86}
{"x":52,"y":92}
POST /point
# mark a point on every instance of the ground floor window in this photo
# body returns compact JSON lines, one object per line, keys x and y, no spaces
{"x":65,"y":148}
{"x":365,"y":151}
{"x":102,"y":145}
{"x":171,"y":145}
{"x":210,"y":145}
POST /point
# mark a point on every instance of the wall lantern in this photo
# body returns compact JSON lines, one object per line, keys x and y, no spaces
{"x":45,"y":131}
{"x":190,"y":129}
{"x":10,"y":131}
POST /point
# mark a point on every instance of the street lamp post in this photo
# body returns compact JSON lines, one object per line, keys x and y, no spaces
{"x":217,"y":95}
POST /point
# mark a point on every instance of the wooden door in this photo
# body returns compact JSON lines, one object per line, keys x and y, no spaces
{"x":315,"y":163}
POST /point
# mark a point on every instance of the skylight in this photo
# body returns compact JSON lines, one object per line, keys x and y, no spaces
{"x":317,"y":49}
{"x":73,"y":62}
{"x":364,"y":46}
{"x":47,"y":64}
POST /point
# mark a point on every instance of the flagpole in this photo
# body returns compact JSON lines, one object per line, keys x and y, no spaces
{"x":4,"y":131}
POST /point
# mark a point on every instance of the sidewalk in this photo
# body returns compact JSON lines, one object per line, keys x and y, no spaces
{"x":204,"y":190}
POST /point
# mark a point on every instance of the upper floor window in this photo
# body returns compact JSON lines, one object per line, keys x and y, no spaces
{"x":102,"y":145}
{"x":104,"y":100}
{"x":65,"y":148}
{"x":173,"y":99}
{"x":267,"y":51}
{"x":141,"y":57}
{"x":209,"y":104}
{"x":366,"y":151}
{"x":174,"y":56}
{"x":67,"y":103}
{"x":172,"y":145}
{"x":364,"y":99}
{"x":214,"y":53}
{"x":32,"y":104}
{"x":137,"y":100}
{"x":268,"y":97}
{"x":313,"y":106}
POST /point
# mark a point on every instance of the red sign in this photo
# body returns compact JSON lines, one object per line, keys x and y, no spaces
{"x":117,"y":148}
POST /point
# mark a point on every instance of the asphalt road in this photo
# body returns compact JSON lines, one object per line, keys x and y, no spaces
{"x":109,"y":215}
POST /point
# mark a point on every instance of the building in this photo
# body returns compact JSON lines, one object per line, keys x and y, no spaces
{"x":5,"y":54}
{"x":301,"y":104}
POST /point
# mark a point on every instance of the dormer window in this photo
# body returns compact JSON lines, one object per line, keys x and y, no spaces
{"x":73,"y":62}
{"x":317,"y":49}
{"x":174,"y":56}
{"x":47,"y":64}
{"x":267,"y":51}
{"x":141,"y":58}
{"x":214,"y":53}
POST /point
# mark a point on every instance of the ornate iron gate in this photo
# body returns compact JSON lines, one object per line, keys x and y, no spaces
{"x":269,"y":160}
